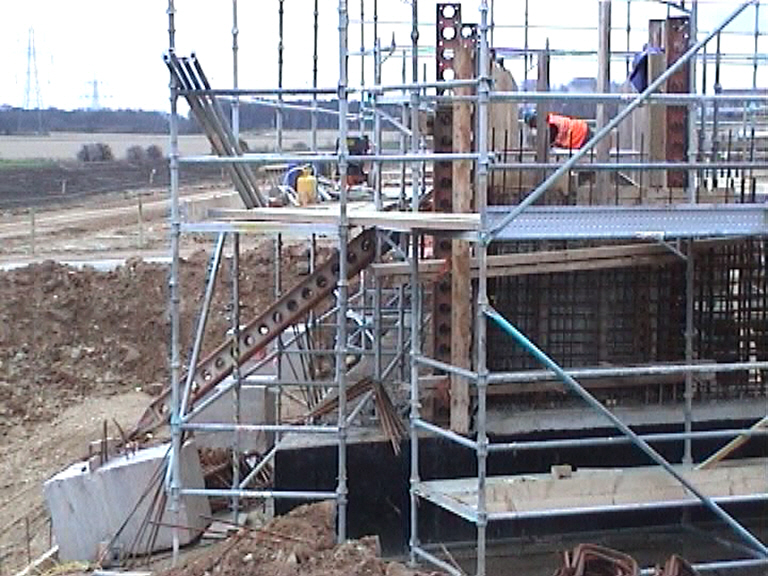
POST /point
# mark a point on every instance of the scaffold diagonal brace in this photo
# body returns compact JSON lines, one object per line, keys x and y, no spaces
{"x":594,"y":403}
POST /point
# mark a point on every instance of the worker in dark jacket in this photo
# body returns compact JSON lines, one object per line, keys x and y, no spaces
{"x":564,"y":132}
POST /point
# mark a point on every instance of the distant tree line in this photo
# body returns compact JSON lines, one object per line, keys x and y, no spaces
{"x":253,"y":116}
{"x":20,"y":121}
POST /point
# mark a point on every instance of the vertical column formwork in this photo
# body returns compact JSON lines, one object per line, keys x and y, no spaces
{"x":673,"y":37}
{"x":678,"y":33}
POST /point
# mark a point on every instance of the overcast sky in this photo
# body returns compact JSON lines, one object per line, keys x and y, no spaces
{"x":120,"y":44}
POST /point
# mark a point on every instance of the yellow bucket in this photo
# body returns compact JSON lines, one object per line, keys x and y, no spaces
{"x":306,"y":187}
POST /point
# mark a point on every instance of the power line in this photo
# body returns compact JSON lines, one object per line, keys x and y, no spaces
{"x":32,"y":75}
{"x":32,"y":78}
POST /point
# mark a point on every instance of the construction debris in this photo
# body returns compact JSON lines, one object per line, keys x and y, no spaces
{"x":302,"y":543}
{"x":593,"y":560}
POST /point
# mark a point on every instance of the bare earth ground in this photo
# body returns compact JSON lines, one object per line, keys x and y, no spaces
{"x":78,"y":344}
{"x":31,"y":452}
{"x":79,"y":340}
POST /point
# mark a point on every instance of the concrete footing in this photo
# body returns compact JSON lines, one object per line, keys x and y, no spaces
{"x":102,"y":510}
{"x":257,"y":406}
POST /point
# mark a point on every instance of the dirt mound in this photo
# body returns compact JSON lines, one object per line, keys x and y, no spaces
{"x":302,"y":543}
{"x":67,"y":333}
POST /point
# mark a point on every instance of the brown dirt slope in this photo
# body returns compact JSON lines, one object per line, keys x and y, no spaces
{"x":68,"y":333}
{"x":302,"y":543}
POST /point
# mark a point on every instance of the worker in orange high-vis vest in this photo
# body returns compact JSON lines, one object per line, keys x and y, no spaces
{"x":564,"y":132}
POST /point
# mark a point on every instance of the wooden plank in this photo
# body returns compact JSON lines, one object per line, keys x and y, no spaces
{"x":461,"y":282}
{"x":731,"y":447}
{"x":603,"y":85}
{"x":581,"y":265}
{"x":657,"y":124}
{"x":357,"y":217}
{"x":602,"y":383}
{"x":502,"y":116}
{"x":546,"y":261}
{"x":503,"y":133}
{"x":43,"y":564}
{"x":613,"y":255}
{"x":542,"y":109}
{"x":498,"y":269}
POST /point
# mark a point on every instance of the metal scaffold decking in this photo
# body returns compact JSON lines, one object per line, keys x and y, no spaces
{"x":635,"y":260}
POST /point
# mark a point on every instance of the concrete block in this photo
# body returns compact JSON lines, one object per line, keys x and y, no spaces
{"x":257,"y":406}
{"x":88,"y":507}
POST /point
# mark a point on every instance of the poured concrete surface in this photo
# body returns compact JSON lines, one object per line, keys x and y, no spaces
{"x":257,"y":406}
{"x":508,"y":419}
{"x":89,"y":507}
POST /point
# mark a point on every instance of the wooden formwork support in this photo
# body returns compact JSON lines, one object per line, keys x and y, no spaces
{"x":603,"y":147}
{"x":461,"y":283}
{"x":656,"y":128}
{"x":542,"y":110}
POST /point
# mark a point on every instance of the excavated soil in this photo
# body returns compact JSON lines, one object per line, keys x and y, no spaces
{"x":302,"y":543}
{"x":67,"y":333}
{"x":79,"y":347}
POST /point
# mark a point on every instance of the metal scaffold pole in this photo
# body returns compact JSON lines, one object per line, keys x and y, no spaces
{"x":343,"y":285}
{"x":483,"y":88}
{"x":757,"y":46}
{"x":175,"y":416}
{"x":629,"y":31}
{"x":313,"y":118}
{"x":361,"y":111}
{"x":525,"y":48}
{"x":415,"y":91}
{"x":415,"y":287}
{"x":279,"y":110}
{"x":414,"y":400}
{"x":236,"y":375}
{"x":403,"y":136}
{"x":689,"y":335}
{"x":378,"y":204}
{"x":694,"y":20}
{"x":236,"y":100}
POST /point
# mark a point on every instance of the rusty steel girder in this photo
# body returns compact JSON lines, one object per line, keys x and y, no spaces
{"x":448,"y":37}
{"x":442,"y":196}
{"x":294,"y":305}
{"x":448,"y":34}
{"x":676,"y":566}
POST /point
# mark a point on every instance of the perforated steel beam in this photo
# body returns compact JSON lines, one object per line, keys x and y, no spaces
{"x":286,"y":311}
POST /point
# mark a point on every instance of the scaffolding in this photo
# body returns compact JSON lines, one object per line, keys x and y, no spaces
{"x":381,"y":308}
